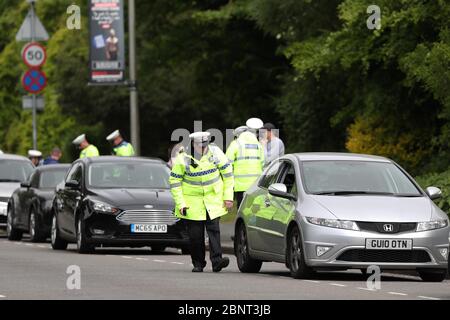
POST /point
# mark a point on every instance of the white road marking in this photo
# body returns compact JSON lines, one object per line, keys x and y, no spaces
{"x":312,"y":281}
{"x":2,"y":296}
{"x":29,"y":244}
{"x":366,"y":289}
{"x":126,"y":257}
{"x":159,"y":260}
{"x":337,"y":285}
{"x":177,"y":262}
{"x":41,"y":246}
{"x":428,"y":298}
{"x":142,"y":259}
{"x":398,"y":293}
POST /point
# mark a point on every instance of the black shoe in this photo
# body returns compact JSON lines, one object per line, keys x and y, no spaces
{"x":223,"y":263}
{"x":197,"y":269}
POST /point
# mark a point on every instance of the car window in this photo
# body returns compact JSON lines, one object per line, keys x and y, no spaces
{"x":287,"y":177}
{"x":269,"y":175}
{"x":356,"y":176}
{"x":75,"y":173}
{"x":15,"y":170}
{"x":128,"y":175}
{"x":49,"y":179}
{"x":34,"y":179}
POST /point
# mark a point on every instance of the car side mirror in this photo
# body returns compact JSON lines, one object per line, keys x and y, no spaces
{"x":280,"y":190}
{"x":434,"y":193}
{"x":72,"y":184}
{"x":25,"y":185}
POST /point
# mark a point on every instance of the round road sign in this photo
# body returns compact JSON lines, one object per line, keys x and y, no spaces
{"x":34,"y":81}
{"x":34,"y":55}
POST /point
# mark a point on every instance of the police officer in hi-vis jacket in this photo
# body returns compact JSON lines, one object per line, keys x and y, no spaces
{"x":202,"y":186}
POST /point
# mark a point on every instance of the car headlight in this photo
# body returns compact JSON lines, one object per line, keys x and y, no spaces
{"x":333,"y":223}
{"x":431,"y":225}
{"x":103,"y":207}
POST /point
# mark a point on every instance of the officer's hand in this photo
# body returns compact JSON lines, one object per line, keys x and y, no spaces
{"x":183,"y":211}
{"x":228,"y":204}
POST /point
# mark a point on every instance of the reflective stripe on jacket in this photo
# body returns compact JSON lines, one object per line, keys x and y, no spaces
{"x":204,"y":188}
{"x":247,"y":155}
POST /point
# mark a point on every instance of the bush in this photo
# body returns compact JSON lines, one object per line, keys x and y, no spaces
{"x":442,"y":181}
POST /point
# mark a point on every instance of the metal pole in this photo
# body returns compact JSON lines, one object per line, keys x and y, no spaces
{"x":34,"y":106}
{"x":134,"y":108}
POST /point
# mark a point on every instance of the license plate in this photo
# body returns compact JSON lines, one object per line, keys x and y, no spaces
{"x":149,"y":228}
{"x":389,"y":244}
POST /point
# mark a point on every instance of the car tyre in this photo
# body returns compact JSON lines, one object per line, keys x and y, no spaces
{"x":245,"y":262}
{"x":433,"y":276}
{"x":34,"y":228}
{"x":158,"y":249}
{"x":296,"y":256}
{"x":57,"y":242}
{"x":12,"y":233}
{"x":185,"y":251}
{"x":82,"y":245}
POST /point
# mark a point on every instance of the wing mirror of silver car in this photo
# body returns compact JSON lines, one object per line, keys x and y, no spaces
{"x":72,"y":184}
{"x":25,"y":185}
{"x":280,"y":190}
{"x":434,"y":193}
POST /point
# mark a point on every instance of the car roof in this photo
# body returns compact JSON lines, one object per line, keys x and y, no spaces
{"x":102,"y":159}
{"x":316,"y":156}
{"x":5,"y":156}
{"x":50,"y":167}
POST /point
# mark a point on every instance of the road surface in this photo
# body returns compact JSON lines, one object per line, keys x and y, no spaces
{"x":35,"y":271}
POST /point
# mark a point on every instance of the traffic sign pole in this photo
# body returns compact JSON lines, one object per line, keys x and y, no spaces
{"x":33,"y":38}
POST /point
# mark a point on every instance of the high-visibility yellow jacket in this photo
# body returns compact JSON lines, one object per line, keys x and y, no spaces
{"x":204,"y":188}
{"x":89,"y":151}
{"x":247,"y":156}
{"x":124,"y":149}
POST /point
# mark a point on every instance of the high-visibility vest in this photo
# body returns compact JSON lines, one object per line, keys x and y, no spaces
{"x":247,"y":155}
{"x":89,"y":151}
{"x":202,"y":189}
{"x":124,"y":149}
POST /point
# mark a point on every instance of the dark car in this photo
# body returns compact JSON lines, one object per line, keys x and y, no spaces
{"x":116,"y":202}
{"x":14,"y":169}
{"x":30,"y":206}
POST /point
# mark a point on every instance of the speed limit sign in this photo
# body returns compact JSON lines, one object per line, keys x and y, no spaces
{"x":34,"y":55}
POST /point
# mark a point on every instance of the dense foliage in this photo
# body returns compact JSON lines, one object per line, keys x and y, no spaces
{"x":310,"y":66}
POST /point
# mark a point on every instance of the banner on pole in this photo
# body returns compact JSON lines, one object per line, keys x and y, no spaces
{"x":107,"y":42}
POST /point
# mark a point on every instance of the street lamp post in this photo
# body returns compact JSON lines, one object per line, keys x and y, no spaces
{"x":134,"y":108}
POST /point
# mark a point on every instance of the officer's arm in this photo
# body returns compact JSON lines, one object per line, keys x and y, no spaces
{"x":232,"y":151}
{"x":176,"y":177}
{"x":261,"y":155}
{"x":226,"y":170}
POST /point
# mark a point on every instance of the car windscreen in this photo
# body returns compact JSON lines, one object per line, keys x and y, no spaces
{"x":356,"y":177}
{"x":50,"y":179}
{"x":128,"y":175}
{"x":15,"y":170}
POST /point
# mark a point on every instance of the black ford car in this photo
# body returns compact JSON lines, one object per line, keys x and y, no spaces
{"x":30,"y":206}
{"x":116,"y":201}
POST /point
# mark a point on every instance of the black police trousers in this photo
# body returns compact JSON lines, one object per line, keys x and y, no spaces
{"x":196,"y":230}
{"x":238,"y":197}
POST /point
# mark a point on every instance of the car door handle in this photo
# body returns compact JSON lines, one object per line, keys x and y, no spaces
{"x":267,"y":202}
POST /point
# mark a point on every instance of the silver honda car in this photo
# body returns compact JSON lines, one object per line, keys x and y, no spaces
{"x":338,"y":211}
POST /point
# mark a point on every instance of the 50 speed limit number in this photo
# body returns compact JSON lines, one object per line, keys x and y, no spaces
{"x":34,"y":55}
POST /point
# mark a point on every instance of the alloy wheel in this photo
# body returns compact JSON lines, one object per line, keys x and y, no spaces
{"x":296,"y":253}
{"x":53,"y":235}
{"x":8,"y":222}
{"x":32,"y":224}
{"x":242,"y":245}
